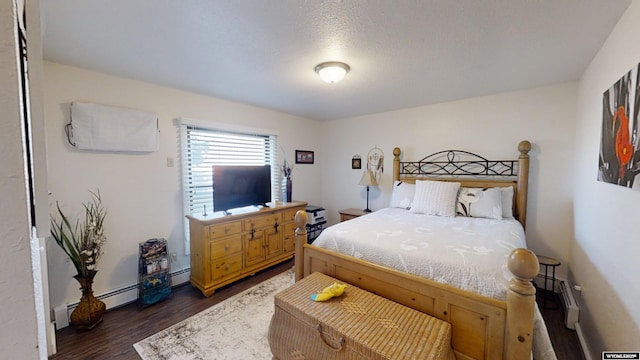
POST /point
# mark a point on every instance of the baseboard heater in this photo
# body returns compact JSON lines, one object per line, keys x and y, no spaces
{"x":571,"y":309}
{"x":116,"y":298}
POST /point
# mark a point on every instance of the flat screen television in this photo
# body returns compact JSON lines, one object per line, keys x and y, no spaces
{"x":240,"y":186}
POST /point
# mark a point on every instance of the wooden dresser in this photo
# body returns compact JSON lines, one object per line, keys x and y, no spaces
{"x":226,"y":249}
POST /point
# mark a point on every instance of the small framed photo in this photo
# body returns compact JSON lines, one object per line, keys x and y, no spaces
{"x":304,"y":157}
{"x":356,"y":163}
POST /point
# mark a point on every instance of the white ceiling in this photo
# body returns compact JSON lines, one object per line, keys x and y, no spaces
{"x":402,"y":53}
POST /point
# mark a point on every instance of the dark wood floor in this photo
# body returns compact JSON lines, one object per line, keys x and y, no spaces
{"x":125,"y":326}
{"x":122,"y":327}
{"x":565,"y":341}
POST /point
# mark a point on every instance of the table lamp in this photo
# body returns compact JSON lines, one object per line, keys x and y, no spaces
{"x":368,"y":180}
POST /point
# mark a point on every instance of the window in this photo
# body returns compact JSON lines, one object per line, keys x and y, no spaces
{"x":202,"y":148}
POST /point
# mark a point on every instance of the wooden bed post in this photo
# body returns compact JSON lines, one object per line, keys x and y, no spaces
{"x":523,"y":181}
{"x":396,"y":163}
{"x":521,"y":302}
{"x":300,"y":241}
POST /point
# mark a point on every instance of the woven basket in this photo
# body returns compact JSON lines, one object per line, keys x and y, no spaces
{"x":356,"y":325}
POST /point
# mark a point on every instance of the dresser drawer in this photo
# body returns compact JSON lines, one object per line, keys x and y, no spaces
{"x":289,"y":229}
{"x":226,"y":247}
{"x":222,"y":230}
{"x":263,"y":221}
{"x":226,"y":266}
{"x":290,"y":215}
{"x":289,"y":237}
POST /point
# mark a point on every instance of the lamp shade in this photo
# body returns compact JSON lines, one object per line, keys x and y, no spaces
{"x":368,"y":179}
{"x":332,"y":71}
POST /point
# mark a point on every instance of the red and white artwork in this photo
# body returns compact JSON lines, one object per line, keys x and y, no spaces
{"x":619,"y":159}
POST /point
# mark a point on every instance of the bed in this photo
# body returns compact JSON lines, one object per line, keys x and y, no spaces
{"x":480,"y":282}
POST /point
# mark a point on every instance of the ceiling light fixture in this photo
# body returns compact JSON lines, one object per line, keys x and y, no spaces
{"x":332,"y":71}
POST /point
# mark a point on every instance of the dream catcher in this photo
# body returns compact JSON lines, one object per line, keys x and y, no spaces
{"x":375,"y":162}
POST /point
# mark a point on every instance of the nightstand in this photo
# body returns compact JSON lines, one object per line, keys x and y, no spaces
{"x":351,"y":213}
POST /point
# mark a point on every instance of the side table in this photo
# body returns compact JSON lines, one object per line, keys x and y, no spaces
{"x":351,"y":213}
{"x":549,"y":262}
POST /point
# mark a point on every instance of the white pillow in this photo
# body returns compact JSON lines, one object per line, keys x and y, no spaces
{"x":435,"y":198}
{"x":402,"y":194}
{"x":479,"y":202}
{"x":507,"y":202}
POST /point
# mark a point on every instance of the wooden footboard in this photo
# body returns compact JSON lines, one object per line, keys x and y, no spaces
{"x":483,"y":328}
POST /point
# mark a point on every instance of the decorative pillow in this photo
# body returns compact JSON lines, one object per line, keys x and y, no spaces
{"x":478,"y":202}
{"x":507,"y":202}
{"x":435,"y":198}
{"x":402,"y":194}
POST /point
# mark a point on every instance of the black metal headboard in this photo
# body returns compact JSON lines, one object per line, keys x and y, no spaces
{"x":472,"y":170}
{"x":458,"y":163}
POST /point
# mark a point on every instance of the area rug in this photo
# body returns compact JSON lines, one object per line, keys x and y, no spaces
{"x":233,"y":329}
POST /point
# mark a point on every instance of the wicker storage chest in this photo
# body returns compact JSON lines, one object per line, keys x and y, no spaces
{"x":356,"y":325}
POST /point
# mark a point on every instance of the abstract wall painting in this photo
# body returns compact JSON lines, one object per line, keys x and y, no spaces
{"x":619,"y":161}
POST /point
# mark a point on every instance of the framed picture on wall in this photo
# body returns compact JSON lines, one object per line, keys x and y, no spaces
{"x":304,"y":157}
{"x":356,"y":162}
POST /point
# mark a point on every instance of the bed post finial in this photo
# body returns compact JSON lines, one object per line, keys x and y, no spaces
{"x":301,"y":219}
{"x":524,"y":147}
{"x":521,"y":301}
{"x":523,"y":264}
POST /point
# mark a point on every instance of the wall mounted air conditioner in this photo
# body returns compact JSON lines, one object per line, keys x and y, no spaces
{"x":108,"y":128}
{"x":571,"y":309}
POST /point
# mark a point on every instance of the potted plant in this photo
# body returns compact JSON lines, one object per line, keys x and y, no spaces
{"x":287,"y":173}
{"x":83,"y":242}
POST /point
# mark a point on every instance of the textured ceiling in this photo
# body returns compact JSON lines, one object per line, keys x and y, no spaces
{"x":402,"y":53}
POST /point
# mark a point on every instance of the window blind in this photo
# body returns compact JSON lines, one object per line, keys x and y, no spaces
{"x":202,"y":148}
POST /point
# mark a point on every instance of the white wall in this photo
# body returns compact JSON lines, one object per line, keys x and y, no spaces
{"x":142,"y":195}
{"x":491,"y":126}
{"x":18,"y":333}
{"x":604,"y":254}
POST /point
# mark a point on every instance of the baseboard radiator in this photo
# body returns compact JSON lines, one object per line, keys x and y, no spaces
{"x":116,"y":298}
{"x":571,"y":309}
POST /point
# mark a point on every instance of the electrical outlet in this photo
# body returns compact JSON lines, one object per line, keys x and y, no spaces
{"x":169,"y":162}
{"x":174,"y":257}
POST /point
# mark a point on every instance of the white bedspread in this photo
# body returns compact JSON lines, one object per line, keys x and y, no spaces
{"x":468,"y":253}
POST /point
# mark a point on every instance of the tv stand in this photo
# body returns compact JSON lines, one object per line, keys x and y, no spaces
{"x":229,"y":248}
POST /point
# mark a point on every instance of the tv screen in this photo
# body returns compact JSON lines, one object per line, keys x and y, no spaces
{"x":240,"y":186}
